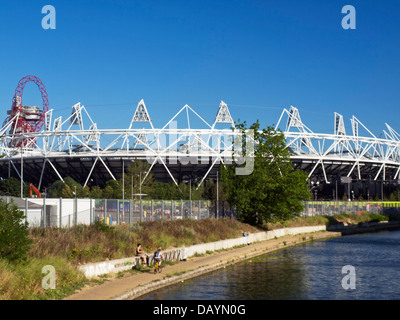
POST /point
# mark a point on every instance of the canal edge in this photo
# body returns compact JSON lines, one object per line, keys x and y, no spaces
{"x":265,"y":247}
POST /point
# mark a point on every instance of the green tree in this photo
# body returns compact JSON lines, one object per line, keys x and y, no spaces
{"x":274,"y":190}
{"x":164,"y":191}
{"x":189,"y":190}
{"x":66,"y":192}
{"x":66,"y":189}
{"x":107,"y":192}
{"x":85,"y":192}
{"x":96,"y":192}
{"x":136,"y":171}
{"x":116,"y":186}
{"x":54,"y":191}
{"x":10,"y":186}
{"x":210,"y":190}
{"x":74,"y":186}
{"x":14,"y":241}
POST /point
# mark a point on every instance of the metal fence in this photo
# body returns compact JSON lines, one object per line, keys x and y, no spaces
{"x":68,"y":212}
{"x":114,"y":211}
{"x":329,"y":208}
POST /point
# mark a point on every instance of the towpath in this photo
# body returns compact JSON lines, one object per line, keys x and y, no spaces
{"x":133,"y":286}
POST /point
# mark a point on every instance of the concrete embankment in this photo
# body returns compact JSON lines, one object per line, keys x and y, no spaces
{"x":365,"y":227}
{"x":198,"y":260}
{"x":104,"y":267}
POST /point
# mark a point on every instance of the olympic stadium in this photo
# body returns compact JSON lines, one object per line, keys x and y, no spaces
{"x":39,"y":149}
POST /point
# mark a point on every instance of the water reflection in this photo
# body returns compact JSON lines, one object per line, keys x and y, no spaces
{"x":308,"y":271}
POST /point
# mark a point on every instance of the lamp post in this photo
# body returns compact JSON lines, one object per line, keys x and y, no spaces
{"x":22,"y":174}
{"x":140,"y":192}
{"x":140,"y":183}
{"x":140,"y":186}
{"x":217,"y":194}
{"x":190,"y":196}
{"x":123,"y":181}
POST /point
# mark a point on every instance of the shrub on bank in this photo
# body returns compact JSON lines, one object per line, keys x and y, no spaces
{"x":14,"y":241}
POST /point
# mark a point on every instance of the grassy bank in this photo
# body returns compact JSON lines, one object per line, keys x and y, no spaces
{"x":98,"y":242}
{"x":65,"y":249}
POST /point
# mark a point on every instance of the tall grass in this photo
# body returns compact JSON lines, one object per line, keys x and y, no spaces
{"x":66,"y":248}
{"x":23,"y":281}
{"x":98,"y":242}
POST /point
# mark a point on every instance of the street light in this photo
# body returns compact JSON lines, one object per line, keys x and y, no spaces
{"x":190,"y":194}
{"x":123,"y":180}
{"x":140,"y":183}
{"x":22,"y":174}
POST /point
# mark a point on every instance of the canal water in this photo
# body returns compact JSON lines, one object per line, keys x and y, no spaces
{"x":308,"y":271}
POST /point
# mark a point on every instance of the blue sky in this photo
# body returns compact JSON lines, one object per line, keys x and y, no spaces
{"x":257,"y":56}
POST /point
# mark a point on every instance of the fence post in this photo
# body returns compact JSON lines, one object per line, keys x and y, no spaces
{"x":182,"y":208}
{"x":141,"y":210}
{"x":172,"y":210}
{"x":152,"y":210}
{"x":162,"y":209}
{"x":130,"y":211}
{"x":198,"y":210}
{"x":91,"y":218}
{"x":44,"y":212}
{"x":76,"y":212}
{"x":105,"y":210}
{"x":60,"y":214}
{"x":26,"y":209}
{"x":117,"y":211}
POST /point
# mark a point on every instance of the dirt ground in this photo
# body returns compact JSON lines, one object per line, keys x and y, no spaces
{"x":133,"y":286}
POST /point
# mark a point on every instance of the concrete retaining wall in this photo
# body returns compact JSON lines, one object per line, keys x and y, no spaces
{"x":96,"y":269}
{"x":260,"y":236}
{"x":115,"y":266}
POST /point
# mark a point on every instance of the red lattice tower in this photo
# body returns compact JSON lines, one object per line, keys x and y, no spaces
{"x":26,"y":118}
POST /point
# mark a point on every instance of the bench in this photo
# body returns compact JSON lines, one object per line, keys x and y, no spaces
{"x":169,"y":255}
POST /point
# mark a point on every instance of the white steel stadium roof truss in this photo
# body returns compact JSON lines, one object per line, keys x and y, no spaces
{"x":353,"y":151}
{"x":78,"y":137}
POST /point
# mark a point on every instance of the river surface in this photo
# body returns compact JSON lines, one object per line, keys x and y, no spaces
{"x":311,"y":270}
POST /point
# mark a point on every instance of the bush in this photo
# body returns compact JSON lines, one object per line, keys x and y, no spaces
{"x":14,"y":241}
{"x":102,"y":227}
